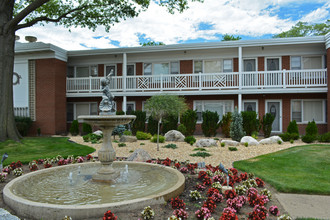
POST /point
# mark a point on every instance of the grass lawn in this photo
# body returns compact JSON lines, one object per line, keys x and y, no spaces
{"x":32,"y":148}
{"x":300,"y":169}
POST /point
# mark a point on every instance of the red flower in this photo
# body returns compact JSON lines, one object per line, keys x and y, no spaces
{"x":243,"y":176}
{"x":109,"y":216}
{"x":89,"y":157}
{"x":202,"y":174}
{"x":234,"y":171}
{"x":258,"y":213}
{"x":211,"y":191}
{"x":230,"y":194}
{"x":259,"y":182}
{"x":177,"y":165}
{"x":167,"y":162}
{"x":178,"y":203}
{"x":207,"y":181}
{"x":228,"y":214}
{"x":210,"y":204}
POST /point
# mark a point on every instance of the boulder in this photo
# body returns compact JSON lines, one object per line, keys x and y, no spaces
{"x":127,"y":138}
{"x":271,"y":140}
{"x":174,"y":135}
{"x":206,"y":143}
{"x":250,"y":140}
{"x":230,"y":143}
{"x":139,"y":155}
{"x":98,"y":132}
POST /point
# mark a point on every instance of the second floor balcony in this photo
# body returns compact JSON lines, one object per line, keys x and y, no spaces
{"x":282,"y":81}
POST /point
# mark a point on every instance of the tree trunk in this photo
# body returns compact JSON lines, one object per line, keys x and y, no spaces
{"x":158,"y":134}
{"x":8,"y":128}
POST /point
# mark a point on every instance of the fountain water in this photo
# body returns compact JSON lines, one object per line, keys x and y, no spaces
{"x":92,"y":188}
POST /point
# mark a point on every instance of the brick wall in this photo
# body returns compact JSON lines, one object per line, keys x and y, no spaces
{"x":51,"y":96}
{"x":285,"y":62}
{"x":100,"y":69}
{"x":119,"y":69}
{"x":328,"y":96}
{"x":186,"y":66}
{"x":235,"y":65}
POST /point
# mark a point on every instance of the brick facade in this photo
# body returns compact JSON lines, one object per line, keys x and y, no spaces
{"x":286,"y":62}
{"x":139,"y":69}
{"x":119,"y":69}
{"x":51,"y":96}
{"x":261,"y":63}
{"x":235,"y":65}
{"x":100,"y":69}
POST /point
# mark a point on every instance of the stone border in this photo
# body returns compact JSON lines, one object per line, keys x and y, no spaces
{"x":30,"y":209}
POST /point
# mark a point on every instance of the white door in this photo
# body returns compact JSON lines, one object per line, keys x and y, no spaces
{"x":275,"y":108}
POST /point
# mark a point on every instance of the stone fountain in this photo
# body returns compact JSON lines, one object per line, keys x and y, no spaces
{"x":75,"y":190}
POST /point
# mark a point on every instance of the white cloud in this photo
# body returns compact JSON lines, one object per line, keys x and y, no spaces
{"x":239,"y":17}
{"x":319,"y":15}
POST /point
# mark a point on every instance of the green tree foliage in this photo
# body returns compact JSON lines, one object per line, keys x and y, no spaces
{"x":151,"y":43}
{"x":189,"y":120}
{"x":23,"y":125}
{"x":236,"y":126}
{"x":227,"y":37}
{"x":210,"y":123}
{"x":170,"y":123}
{"x":267,"y":124}
{"x":74,"y":129}
{"x":152,"y":125}
{"x":86,"y":129}
{"x":293,"y":127}
{"x":302,"y":29}
{"x":92,"y":14}
{"x":311,"y":132}
{"x":161,"y":106}
{"x":225,"y":124}
{"x":250,"y":122}
{"x":139,"y":123}
{"x":119,"y":130}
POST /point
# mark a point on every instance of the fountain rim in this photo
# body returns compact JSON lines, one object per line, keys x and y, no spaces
{"x":7,"y":189}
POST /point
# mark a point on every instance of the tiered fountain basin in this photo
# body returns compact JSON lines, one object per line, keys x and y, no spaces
{"x":48,"y":193}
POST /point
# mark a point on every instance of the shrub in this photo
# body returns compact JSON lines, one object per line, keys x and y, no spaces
{"x":173,"y":146}
{"x":308,"y":138}
{"x":23,"y":125}
{"x":246,"y":144}
{"x":121,"y":145}
{"x":291,"y":141}
{"x":139,"y":123}
{"x":127,"y":133}
{"x":190,"y":140}
{"x":279,"y":142}
{"x":74,"y":129}
{"x":119,"y":130}
{"x":109,"y":216}
{"x":293,"y":128}
{"x":210,"y":123}
{"x":189,"y":120}
{"x":250,"y":122}
{"x":311,"y":129}
{"x":267,"y":123}
{"x":120,"y":113}
{"x":169,"y":123}
{"x":86,"y":129}
{"x":225,"y":124}
{"x":236,"y":126}
{"x":222,"y":144}
{"x":154,"y":139}
{"x":287,"y":136}
{"x":152,"y":125}
{"x":182,"y":129}
{"x":143,"y":136}
{"x":201,"y":154}
{"x":324,"y":137}
{"x":92,"y":138}
{"x":199,"y":149}
{"x":232,"y":148}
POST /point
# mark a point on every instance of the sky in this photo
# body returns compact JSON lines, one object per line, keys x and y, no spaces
{"x":202,"y":22}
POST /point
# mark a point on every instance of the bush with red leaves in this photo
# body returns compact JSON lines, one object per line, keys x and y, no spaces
{"x":259,"y":182}
{"x":211,"y":191}
{"x":243,"y":176}
{"x":228,"y":214}
{"x":210,"y":204}
{"x":13,"y":165}
{"x":202,"y":174}
{"x":258,"y":213}
{"x":230,"y":194}
{"x":89,"y":157}
{"x":207,"y":181}
{"x":234,"y":171}
{"x":178,"y":203}
{"x":167,"y":162}
{"x":177,"y":165}
{"x":192,"y":166}
{"x":109,"y":216}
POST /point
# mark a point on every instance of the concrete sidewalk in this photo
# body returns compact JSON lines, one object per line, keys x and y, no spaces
{"x":305,"y":206}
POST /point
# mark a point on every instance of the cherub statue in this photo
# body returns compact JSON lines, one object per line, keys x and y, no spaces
{"x":107,"y":105}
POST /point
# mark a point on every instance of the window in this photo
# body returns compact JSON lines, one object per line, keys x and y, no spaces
{"x":250,"y":105}
{"x":70,"y":72}
{"x":160,"y":69}
{"x":227,"y":66}
{"x":130,"y":70}
{"x":312,"y":62}
{"x":130,"y":106}
{"x":296,"y":63}
{"x":198,"y":66}
{"x":82,"y":71}
{"x":108,"y":69}
{"x":308,"y":110}
{"x":273,"y":64}
{"x":174,"y":67}
{"x":81,"y":108}
{"x":221,"y":107}
{"x":212,"y":66}
{"x":147,"y":69}
{"x":249,"y":65}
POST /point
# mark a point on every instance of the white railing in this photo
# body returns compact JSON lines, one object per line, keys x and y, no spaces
{"x":205,"y":81}
{"x":21,"y":111}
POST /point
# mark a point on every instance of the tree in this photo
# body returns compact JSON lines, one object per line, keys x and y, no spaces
{"x":228,"y":37}
{"x":16,"y":15}
{"x":302,"y":29}
{"x":160,"y":106}
{"x":151,"y":43}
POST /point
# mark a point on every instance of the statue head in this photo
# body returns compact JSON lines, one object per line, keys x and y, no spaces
{"x":103,"y":82}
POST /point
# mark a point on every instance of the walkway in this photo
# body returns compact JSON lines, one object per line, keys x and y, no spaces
{"x":305,"y":206}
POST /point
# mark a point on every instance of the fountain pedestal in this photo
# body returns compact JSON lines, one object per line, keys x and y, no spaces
{"x":106,"y":154}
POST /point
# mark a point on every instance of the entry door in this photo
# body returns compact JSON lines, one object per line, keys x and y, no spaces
{"x":275,"y":108}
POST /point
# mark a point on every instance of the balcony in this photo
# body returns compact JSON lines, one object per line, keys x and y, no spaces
{"x":284,"y":81}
